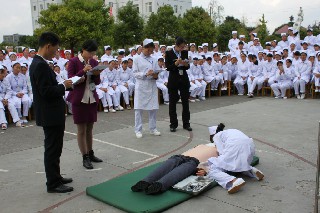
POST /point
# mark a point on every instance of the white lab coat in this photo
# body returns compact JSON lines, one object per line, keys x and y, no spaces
{"x":146,"y":91}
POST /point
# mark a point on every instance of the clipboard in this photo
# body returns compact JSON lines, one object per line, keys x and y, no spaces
{"x":184,"y":55}
{"x":97,"y":70}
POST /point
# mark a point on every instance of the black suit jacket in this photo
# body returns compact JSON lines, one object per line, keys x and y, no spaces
{"x":48,"y":102}
{"x":176,"y":80}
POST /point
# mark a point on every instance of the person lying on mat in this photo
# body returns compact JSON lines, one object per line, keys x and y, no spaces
{"x":175,"y":169}
{"x":235,"y":154}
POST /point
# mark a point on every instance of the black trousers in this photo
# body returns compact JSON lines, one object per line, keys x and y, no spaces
{"x":173,"y":99}
{"x":173,"y":170}
{"x":53,"y":144}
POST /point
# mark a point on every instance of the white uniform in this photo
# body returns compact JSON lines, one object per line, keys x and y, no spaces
{"x":125,"y":77}
{"x":5,"y":93}
{"x":25,"y":60}
{"x":162,"y":79}
{"x":18,"y":84}
{"x":196,"y":71}
{"x":108,"y":79}
{"x":284,"y":82}
{"x":283,"y":44}
{"x":60,"y":62}
{"x":316,"y":70}
{"x":269,"y":71}
{"x":233,"y":44}
{"x":146,"y":91}
{"x":296,"y":40}
{"x":217,"y":67}
{"x":242,"y":75}
{"x":256,"y":72}
{"x":236,"y":151}
{"x":233,"y":70}
{"x":194,"y":89}
{"x":302,"y":76}
{"x":255,"y":49}
{"x":106,"y":57}
{"x":311,"y":41}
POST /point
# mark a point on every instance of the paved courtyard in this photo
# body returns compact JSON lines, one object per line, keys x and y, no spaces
{"x":285,"y":133}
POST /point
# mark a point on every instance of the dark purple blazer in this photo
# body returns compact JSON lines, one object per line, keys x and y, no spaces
{"x":75,"y":68}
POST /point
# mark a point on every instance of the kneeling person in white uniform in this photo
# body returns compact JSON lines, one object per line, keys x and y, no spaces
{"x":235,"y":154}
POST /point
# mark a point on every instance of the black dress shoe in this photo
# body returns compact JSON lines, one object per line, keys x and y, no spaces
{"x":94,"y":158}
{"x":87,"y":162}
{"x":173,"y":129}
{"x":61,"y":189}
{"x":154,"y":188}
{"x":188,"y":128}
{"x":140,"y":186}
{"x":66,"y":180}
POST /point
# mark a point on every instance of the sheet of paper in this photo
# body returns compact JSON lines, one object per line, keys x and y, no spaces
{"x":74,"y":79}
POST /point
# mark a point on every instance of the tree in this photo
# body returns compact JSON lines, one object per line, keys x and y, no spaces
{"x":163,"y":25}
{"x":28,"y":41}
{"x":76,"y":21}
{"x":197,"y":26}
{"x":225,"y":29}
{"x":129,"y":28}
{"x":215,"y":11}
{"x":263,"y":32}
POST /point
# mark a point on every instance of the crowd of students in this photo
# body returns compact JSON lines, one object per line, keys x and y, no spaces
{"x":285,"y":64}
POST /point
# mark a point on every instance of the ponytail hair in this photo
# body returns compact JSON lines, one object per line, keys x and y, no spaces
{"x":220,"y":127}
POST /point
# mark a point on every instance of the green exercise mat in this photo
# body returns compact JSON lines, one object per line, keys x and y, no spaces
{"x":117,"y":192}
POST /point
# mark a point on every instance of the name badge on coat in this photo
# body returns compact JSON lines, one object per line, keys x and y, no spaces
{"x":180,"y":72}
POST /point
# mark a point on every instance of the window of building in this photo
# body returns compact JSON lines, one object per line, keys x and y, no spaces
{"x":175,"y":8}
{"x":149,"y":7}
{"x":34,"y":8}
{"x":41,"y":7}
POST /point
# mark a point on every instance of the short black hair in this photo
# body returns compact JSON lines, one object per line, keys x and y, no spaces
{"x":220,"y":127}
{"x":279,"y":62}
{"x":240,"y":43}
{"x":180,"y":40}
{"x":48,"y":38}
{"x":289,"y":60}
{"x":90,"y":45}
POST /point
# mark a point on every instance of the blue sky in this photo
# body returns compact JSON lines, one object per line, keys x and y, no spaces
{"x":17,"y":19}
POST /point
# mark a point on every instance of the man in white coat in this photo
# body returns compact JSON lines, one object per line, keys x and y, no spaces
{"x":235,"y":154}
{"x":145,"y":70}
{"x":302,"y":76}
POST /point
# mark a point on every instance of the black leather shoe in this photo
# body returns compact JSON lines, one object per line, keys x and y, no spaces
{"x":87,"y":162}
{"x":61,"y":189}
{"x":188,"y":128}
{"x":154,"y":188}
{"x":66,"y":180}
{"x":94,"y":158}
{"x":173,"y":129}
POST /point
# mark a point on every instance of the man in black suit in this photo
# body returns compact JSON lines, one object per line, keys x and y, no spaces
{"x":178,"y":81}
{"x":49,"y":109}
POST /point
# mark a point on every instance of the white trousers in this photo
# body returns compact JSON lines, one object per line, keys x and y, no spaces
{"x":218,"y":79}
{"x":23,"y":102}
{"x":13,"y":111}
{"x":253,"y":83}
{"x":201,"y":85}
{"x":302,"y":84}
{"x":152,"y":119}
{"x":280,"y":88}
{"x":317,"y":82}
{"x":165,"y":93}
{"x":270,"y":81}
{"x":125,"y":92}
{"x":194,"y":90}
{"x":222,"y":178}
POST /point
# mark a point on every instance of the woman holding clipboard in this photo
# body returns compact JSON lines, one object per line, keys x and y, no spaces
{"x":84,"y":99}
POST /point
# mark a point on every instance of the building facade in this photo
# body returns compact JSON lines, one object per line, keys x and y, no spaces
{"x":12,"y":39}
{"x":146,"y":7}
{"x":37,"y":6}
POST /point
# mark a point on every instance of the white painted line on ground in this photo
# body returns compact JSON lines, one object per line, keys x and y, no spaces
{"x":142,"y":161}
{"x":118,"y":146}
{"x":40,"y":172}
{"x":1,"y":132}
{"x":91,"y":170}
{"x":3,"y":170}
{"x":259,"y":150}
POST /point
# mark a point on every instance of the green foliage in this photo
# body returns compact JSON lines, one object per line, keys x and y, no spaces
{"x":129,"y":27}
{"x":263,"y":32}
{"x":225,"y":29}
{"x":163,"y":25}
{"x":76,"y":21}
{"x":197,"y":26}
{"x":29,"y":41}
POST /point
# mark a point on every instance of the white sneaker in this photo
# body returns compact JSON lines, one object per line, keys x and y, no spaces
{"x":106,"y":110}
{"x":192,"y":100}
{"x":24,"y":121}
{"x":302,"y":96}
{"x":215,"y":89}
{"x":18,"y":124}
{"x":298,"y":96}
{"x":240,"y":94}
{"x":202,"y":98}
{"x":197,"y":99}
{"x":236,"y":186}
{"x":285,"y":97}
{"x":155,"y":132}
{"x":139,"y":135}
{"x":128,"y":107}
{"x":224,"y":88}
{"x":112,"y":110}
{"x":248,"y":94}
{"x":316,"y":90}
{"x":119,"y":108}
{"x":257,"y":173}
{"x":166,"y":103}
